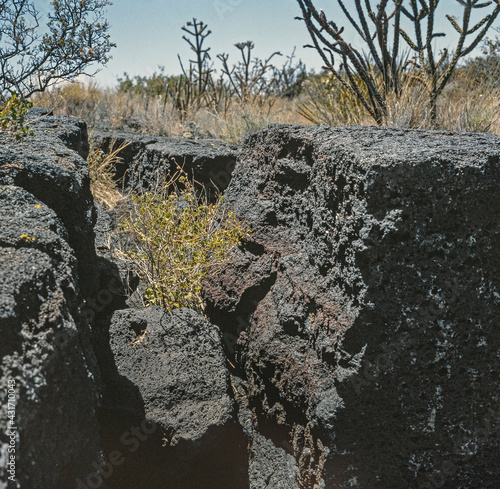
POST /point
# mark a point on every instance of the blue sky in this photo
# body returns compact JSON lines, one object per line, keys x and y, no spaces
{"x":148,"y":32}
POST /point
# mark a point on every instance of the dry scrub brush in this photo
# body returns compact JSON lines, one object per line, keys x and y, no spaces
{"x":151,"y":115}
{"x":399,"y":88}
{"x":102,"y":167}
{"x":175,"y":239}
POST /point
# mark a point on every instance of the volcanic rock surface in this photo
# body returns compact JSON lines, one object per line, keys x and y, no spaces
{"x":147,"y":160}
{"x":178,"y":365}
{"x":363,"y":309}
{"x":47,"y":262}
{"x":352,"y":340}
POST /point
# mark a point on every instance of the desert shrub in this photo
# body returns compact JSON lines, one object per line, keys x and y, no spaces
{"x":481,"y":72}
{"x":250,"y":78}
{"x":200,"y":87}
{"x":329,"y":102}
{"x":157,"y":85}
{"x":175,"y":240}
{"x":35,"y":52}
{"x":202,"y":102}
{"x":13,"y":117}
{"x":289,"y":78}
{"x":78,"y":98}
{"x":470,"y":110}
{"x":84,"y":101}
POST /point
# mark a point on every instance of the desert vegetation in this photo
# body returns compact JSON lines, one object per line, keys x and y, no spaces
{"x":229,"y":103}
{"x":36,"y":53}
{"x":413,"y":87}
{"x":386,"y":70}
{"x":398,"y":80}
{"x":175,"y":239}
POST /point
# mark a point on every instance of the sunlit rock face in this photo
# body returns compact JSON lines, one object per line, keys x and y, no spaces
{"x":363,"y":310}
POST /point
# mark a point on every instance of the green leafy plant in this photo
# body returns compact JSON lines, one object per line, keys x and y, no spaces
{"x":13,"y":117}
{"x":176,"y":239}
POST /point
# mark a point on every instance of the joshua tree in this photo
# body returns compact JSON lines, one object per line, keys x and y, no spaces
{"x":382,"y":29}
{"x":34,"y":55}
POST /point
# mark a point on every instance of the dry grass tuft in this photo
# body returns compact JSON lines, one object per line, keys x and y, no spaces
{"x":102,"y":169}
{"x":157,"y":116}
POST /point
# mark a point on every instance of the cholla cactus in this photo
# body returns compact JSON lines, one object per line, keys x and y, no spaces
{"x":382,"y":29}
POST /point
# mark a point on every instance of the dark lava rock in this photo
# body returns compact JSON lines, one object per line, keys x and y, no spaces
{"x":271,"y":466}
{"x":146,"y":160}
{"x":45,"y":349}
{"x":117,"y":279}
{"x":70,"y":131}
{"x":172,"y":377}
{"x":363,"y":310}
{"x":51,"y":166}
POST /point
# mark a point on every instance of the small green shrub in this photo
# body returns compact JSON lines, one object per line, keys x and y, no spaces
{"x":176,"y":240}
{"x":13,"y":117}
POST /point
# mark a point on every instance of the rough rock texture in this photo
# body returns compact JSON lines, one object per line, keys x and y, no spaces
{"x":45,"y":347}
{"x":365,"y":303}
{"x":70,"y":131}
{"x":271,"y":465}
{"x":47,"y":264}
{"x":146,"y":160}
{"x":117,"y":279}
{"x":360,"y":316}
{"x":52,"y":167}
{"x":172,"y":375}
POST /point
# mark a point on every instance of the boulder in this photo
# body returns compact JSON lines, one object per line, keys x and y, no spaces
{"x":45,"y":352}
{"x":171,"y":375}
{"x":52,"y":167}
{"x":48,"y":269}
{"x":117,"y":278}
{"x":363,"y":309}
{"x":70,"y":131}
{"x":147,"y":160}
